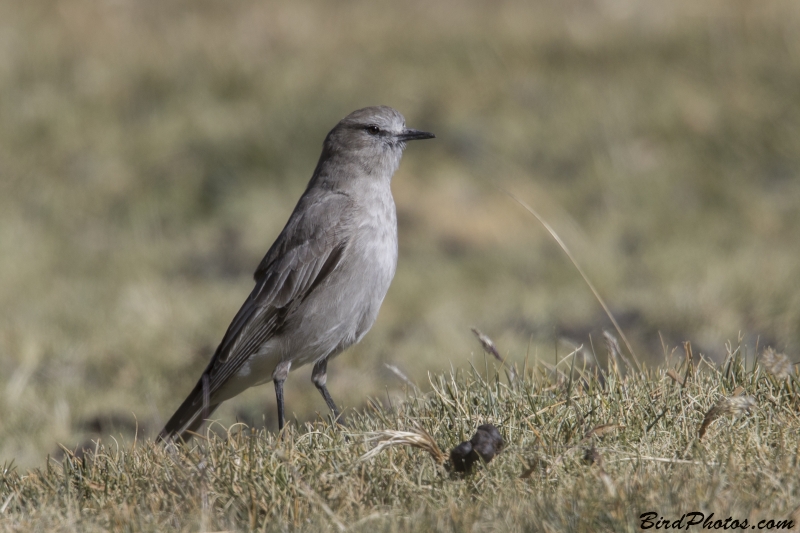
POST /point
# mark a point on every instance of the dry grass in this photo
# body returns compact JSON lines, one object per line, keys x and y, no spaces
{"x":620,"y":446}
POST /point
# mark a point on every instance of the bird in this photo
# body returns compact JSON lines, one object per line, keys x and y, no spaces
{"x":320,"y":285}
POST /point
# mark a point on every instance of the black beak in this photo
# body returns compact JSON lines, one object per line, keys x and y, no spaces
{"x":413,"y":135}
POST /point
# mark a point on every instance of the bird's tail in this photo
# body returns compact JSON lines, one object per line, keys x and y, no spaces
{"x":194,"y":410}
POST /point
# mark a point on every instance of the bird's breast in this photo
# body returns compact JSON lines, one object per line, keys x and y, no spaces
{"x":375,"y":237}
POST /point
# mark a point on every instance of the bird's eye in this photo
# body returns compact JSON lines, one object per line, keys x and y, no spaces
{"x":374,"y":130}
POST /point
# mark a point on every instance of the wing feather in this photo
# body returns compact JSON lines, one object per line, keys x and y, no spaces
{"x":309,"y":248}
{"x":305,"y":253}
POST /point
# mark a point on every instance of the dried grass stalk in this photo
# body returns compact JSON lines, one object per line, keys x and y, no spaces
{"x":675,"y":377}
{"x":735,"y":406}
{"x":600,"y":430}
{"x":777,"y":364}
{"x":417,"y":438}
{"x":489,"y":347}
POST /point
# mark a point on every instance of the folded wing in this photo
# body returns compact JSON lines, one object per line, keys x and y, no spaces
{"x":308,"y":249}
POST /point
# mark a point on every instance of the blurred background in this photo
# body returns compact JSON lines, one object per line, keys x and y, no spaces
{"x":150,"y":152}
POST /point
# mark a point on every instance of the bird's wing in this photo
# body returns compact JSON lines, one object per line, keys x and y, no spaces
{"x":308,"y":249}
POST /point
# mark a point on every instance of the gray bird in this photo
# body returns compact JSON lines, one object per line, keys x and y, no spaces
{"x":319,"y":288}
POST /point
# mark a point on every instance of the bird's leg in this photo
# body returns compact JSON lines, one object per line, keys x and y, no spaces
{"x":278,"y":377}
{"x":320,"y":377}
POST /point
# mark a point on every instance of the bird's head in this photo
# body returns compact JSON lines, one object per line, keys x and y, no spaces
{"x":372,"y":137}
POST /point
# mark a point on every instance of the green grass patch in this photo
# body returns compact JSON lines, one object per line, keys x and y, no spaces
{"x":587,"y":449}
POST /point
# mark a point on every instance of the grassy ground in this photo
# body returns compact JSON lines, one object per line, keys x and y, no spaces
{"x":150,"y":152}
{"x":588,"y":454}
